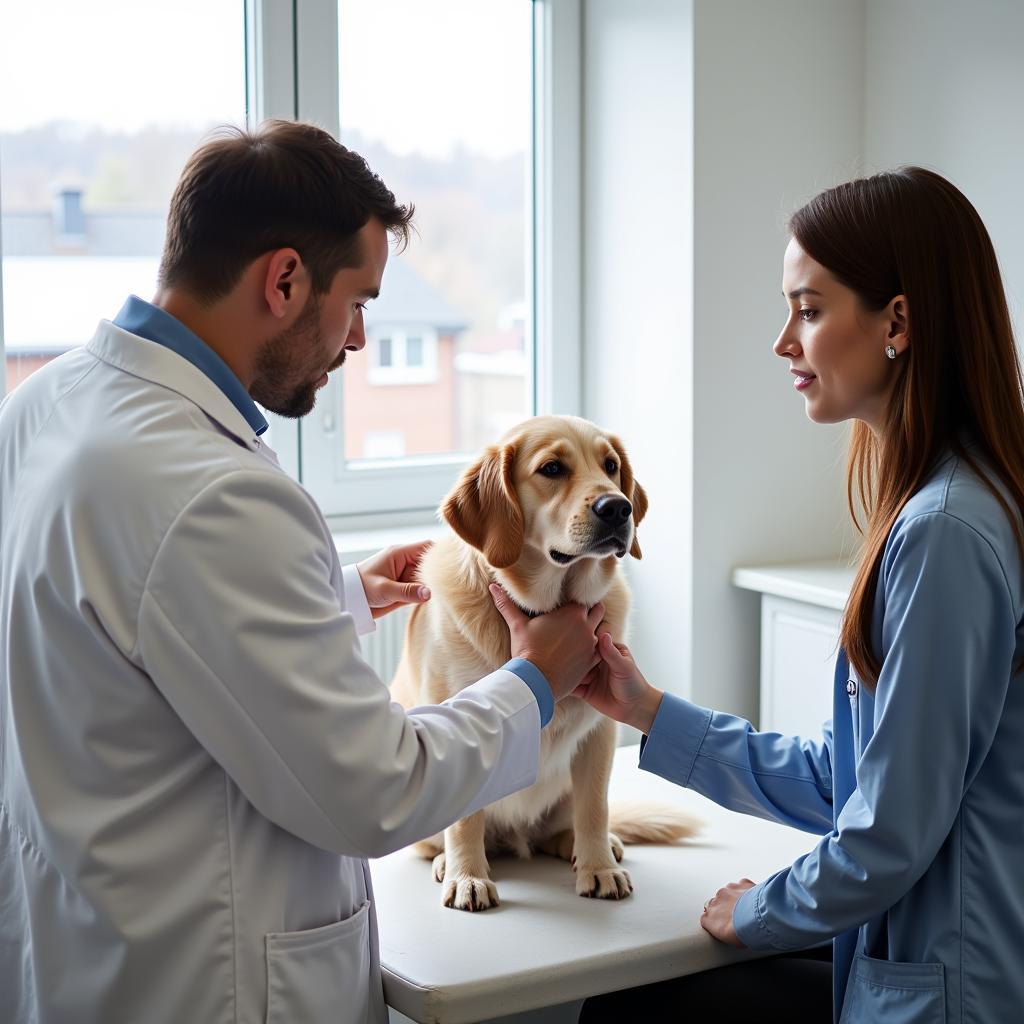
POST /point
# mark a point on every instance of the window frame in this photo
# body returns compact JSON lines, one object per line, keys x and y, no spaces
{"x":295,"y":62}
{"x":291,"y":67}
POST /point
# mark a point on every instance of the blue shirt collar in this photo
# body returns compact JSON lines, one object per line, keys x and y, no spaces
{"x":154,"y":324}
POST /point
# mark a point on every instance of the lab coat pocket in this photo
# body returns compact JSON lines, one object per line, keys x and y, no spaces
{"x":897,"y":993}
{"x":321,"y":976}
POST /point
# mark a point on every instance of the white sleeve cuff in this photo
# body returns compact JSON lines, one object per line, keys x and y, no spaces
{"x":355,"y":600}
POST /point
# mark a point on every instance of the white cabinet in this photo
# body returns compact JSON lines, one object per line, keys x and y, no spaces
{"x":801,"y":611}
{"x":798,"y":654}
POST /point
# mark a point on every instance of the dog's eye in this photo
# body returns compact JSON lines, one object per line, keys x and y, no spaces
{"x":552,"y":468}
{"x":611,"y":467}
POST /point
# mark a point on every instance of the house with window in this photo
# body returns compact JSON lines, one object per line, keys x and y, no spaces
{"x":399,"y":398}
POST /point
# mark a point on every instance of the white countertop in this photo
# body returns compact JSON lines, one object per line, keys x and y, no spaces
{"x":824,"y":583}
{"x":545,"y":945}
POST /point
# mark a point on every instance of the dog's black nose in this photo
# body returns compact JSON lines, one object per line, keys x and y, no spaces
{"x":612,"y":508}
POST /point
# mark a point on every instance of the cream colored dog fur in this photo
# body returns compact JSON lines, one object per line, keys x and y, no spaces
{"x":523,"y":515}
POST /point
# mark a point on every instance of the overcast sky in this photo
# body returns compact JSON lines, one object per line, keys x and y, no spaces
{"x":420,"y":75}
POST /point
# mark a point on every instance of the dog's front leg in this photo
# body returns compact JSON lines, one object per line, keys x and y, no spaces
{"x":597,"y":873}
{"x":463,"y":866}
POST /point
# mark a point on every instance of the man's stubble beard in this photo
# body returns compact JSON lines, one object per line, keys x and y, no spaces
{"x":284,"y":365}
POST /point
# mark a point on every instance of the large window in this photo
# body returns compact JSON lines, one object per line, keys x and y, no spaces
{"x":100,"y":105}
{"x":467,"y":109}
{"x":439,"y":98}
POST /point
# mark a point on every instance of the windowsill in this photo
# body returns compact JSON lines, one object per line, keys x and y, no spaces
{"x":356,"y":544}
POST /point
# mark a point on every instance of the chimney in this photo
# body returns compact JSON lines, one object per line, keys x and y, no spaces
{"x":68,"y":218}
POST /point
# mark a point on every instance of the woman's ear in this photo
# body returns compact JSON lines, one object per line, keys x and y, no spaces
{"x":483,"y":508}
{"x":898,"y":315}
{"x":632,"y":490}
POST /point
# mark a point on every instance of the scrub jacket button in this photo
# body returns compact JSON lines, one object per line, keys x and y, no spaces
{"x":851,"y":687}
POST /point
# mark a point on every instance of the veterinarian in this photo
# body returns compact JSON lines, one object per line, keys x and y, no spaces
{"x":898,"y":321}
{"x":195,"y":759}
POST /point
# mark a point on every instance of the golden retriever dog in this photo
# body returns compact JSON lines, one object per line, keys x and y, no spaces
{"x":547,"y":513}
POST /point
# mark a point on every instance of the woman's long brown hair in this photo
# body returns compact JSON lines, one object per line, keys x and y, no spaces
{"x":913,"y":233}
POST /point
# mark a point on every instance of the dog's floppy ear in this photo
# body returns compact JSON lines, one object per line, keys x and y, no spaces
{"x":632,"y":490}
{"x":483,"y":508}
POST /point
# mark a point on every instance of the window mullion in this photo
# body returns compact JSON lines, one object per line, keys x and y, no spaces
{"x":316,"y":54}
{"x":271,"y":91}
{"x":557,"y":218}
{"x":3,"y":351}
{"x":270,"y":59}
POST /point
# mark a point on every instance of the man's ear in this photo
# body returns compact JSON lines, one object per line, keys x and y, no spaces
{"x":285,"y":282}
{"x":483,"y":508}
{"x":632,"y":490}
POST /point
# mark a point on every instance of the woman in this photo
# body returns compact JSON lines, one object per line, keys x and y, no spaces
{"x":898,"y":321}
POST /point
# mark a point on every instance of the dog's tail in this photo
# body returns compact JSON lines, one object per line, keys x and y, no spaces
{"x":641,"y":821}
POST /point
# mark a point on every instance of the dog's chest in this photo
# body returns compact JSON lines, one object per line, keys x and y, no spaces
{"x":529,"y":808}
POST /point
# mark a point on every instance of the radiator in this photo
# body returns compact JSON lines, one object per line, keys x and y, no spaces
{"x":383,"y":647}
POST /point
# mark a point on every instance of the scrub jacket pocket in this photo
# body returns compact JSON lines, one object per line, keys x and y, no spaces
{"x":320,"y":976}
{"x":897,"y":993}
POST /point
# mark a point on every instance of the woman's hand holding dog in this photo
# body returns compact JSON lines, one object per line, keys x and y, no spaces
{"x":562,"y":644}
{"x":618,"y":689}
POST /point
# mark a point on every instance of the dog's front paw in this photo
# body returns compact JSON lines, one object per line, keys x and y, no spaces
{"x":616,"y":845}
{"x":438,"y":867}
{"x":603,"y":883}
{"x":469,"y":893}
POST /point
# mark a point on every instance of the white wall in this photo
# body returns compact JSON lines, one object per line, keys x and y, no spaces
{"x":945,"y":89}
{"x":637,"y":286}
{"x":778,"y":114}
{"x":705,"y":124}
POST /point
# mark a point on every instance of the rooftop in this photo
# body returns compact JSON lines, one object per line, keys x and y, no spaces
{"x":53,"y":302}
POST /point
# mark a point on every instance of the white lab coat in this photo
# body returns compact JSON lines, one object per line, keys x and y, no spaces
{"x":195,"y":758}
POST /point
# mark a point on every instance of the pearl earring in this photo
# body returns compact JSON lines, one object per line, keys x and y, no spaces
{"x":890,"y":351}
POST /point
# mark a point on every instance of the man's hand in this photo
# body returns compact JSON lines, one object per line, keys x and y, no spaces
{"x":389,"y":578}
{"x":717,"y":917}
{"x":618,"y":689}
{"x":562,"y":643}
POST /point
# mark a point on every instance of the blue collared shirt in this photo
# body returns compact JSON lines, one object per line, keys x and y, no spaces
{"x":155,"y":324}
{"x":916,"y":788}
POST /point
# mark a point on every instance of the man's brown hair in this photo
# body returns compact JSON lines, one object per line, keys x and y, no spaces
{"x":284,"y":185}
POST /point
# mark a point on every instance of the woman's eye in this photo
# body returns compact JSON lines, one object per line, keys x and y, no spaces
{"x":611,"y":467}
{"x":552,"y":468}
{"x":807,"y":314}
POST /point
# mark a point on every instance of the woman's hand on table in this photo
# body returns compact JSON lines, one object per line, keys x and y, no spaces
{"x":717,"y":917}
{"x":618,"y":689}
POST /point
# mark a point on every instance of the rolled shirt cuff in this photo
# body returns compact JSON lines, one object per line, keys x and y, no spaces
{"x":534,"y":679}
{"x":676,"y":736}
{"x":355,"y":600}
{"x":746,"y":920}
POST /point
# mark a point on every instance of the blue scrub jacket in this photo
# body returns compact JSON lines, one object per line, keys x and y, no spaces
{"x":917,"y":790}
